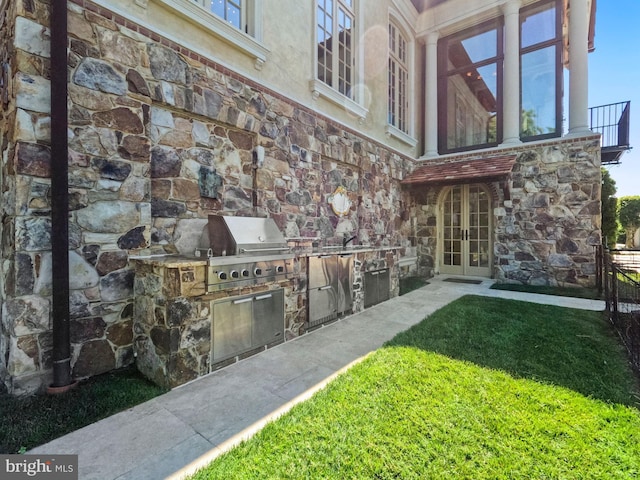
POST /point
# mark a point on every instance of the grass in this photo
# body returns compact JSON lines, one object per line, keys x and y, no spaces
{"x":483,"y":388}
{"x":627,"y":275}
{"x":577,"y":292}
{"x":32,"y":421}
{"x":408,"y":284}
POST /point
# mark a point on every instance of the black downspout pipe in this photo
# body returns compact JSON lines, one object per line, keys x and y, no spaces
{"x":59,"y":199}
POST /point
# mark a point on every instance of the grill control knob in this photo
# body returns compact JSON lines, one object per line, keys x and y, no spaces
{"x":279,"y":269}
{"x":222,"y":275}
{"x":235,"y":274}
{"x":257,"y":272}
{"x":244,"y":272}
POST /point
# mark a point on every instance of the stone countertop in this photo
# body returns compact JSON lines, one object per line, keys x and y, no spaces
{"x":170,"y":261}
{"x":340,"y":250}
{"x":177,"y":260}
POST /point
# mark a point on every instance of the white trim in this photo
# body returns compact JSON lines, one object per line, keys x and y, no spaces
{"x":406,"y":10}
{"x":398,"y":134}
{"x":398,"y":20}
{"x":210,"y":22}
{"x":216,"y":26}
{"x":321,"y":89}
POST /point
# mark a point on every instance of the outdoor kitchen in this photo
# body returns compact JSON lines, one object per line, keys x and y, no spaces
{"x":244,"y":289}
{"x":155,"y":138}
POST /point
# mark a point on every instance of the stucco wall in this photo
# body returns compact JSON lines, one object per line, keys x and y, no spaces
{"x":288,"y":37}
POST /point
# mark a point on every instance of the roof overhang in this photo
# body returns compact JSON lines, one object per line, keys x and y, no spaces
{"x":465,"y":171}
{"x":478,"y":170}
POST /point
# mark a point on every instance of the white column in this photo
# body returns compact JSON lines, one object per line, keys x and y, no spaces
{"x":511,"y":90}
{"x":578,"y":67}
{"x":431,"y":96}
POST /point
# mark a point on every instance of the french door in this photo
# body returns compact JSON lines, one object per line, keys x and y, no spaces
{"x":465,"y":233}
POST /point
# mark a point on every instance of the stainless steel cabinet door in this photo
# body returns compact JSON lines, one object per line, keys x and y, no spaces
{"x":231,"y":328}
{"x":323,"y":305}
{"x":345,"y":283}
{"x":268,"y":317}
{"x":322,"y":271}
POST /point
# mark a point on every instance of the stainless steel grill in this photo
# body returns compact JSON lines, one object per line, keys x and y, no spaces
{"x":244,"y":251}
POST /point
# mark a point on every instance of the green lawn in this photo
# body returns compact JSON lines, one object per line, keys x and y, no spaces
{"x":577,"y":292}
{"x":629,"y":275}
{"x":482,"y":389}
{"x":32,"y":421}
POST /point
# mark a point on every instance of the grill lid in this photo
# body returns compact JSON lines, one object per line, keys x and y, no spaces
{"x":245,"y":235}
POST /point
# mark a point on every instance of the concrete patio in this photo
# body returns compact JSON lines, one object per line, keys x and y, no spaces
{"x":176,"y":433}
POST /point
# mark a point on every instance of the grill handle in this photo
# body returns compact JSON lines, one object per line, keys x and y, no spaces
{"x":272,"y":249}
{"x":264,"y":297}
{"x":242,"y":300}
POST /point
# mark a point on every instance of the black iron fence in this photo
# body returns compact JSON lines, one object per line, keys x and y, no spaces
{"x":621,"y":287}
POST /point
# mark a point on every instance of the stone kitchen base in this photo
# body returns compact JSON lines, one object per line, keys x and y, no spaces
{"x":173,"y":313}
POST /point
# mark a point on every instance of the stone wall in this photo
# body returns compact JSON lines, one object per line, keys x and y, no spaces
{"x":173,"y":325}
{"x":173,"y":312}
{"x":7,"y":114}
{"x":159,"y":138}
{"x":547,"y":222}
{"x":25,"y":339}
{"x":548,"y":233}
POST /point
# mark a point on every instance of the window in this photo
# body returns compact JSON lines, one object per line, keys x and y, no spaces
{"x":229,"y":10}
{"x":470,"y":84}
{"x":540,"y":71}
{"x":335,"y":23}
{"x":236,"y":22}
{"x":398,"y":109}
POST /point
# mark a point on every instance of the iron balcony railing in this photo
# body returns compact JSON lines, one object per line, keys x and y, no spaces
{"x":612,"y":122}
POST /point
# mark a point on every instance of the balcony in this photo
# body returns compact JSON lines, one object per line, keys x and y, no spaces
{"x":612,"y":122}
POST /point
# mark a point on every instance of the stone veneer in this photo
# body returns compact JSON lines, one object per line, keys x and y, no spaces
{"x":547,"y":221}
{"x":173,"y":312}
{"x":159,"y":139}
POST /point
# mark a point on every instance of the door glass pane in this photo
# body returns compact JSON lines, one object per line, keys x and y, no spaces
{"x":452,"y":226}
{"x":479,"y":204}
{"x":473,"y":254}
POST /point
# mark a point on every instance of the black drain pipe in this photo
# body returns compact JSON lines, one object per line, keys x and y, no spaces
{"x":60,"y":199}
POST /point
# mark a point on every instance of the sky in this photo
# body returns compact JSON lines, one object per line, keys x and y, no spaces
{"x":614,"y":76}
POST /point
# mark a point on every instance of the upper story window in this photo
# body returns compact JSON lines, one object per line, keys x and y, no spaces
{"x":235,"y":22}
{"x":398,"y":108}
{"x":470,"y":88}
{"x":541,"y":71}
{"x":230,"y":11}
{"x":335,"y":21}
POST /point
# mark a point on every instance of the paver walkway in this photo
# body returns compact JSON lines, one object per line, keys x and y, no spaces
{"x":171,"y":435}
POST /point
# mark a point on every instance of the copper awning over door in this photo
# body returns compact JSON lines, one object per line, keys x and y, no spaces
{"x":490,"y":169}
